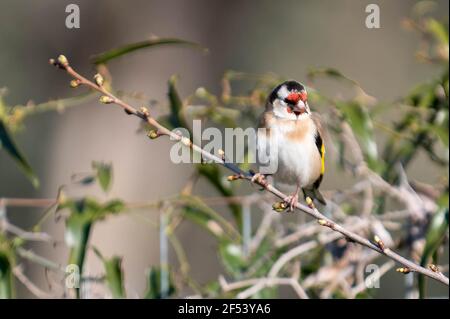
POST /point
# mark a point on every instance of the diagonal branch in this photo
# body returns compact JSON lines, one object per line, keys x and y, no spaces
{"x":144,"y":115}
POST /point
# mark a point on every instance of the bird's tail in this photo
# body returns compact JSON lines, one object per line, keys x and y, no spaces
{"x":314,"y":193}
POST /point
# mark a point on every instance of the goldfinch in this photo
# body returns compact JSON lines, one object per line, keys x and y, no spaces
{"x":292,"y":140}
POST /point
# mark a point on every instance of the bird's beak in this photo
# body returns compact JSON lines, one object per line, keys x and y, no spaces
{"x":299,"y":109}
{"x":298,"y":102}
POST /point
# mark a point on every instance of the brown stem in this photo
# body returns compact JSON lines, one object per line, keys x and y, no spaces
{"x":144,"y":115}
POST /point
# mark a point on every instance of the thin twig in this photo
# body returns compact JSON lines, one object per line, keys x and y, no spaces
{"x":28,"y":202}
{"x":25,"y":235}
{"x":30,"y":255}
{"x":143,"y":114}
{"x":258,"y":284}
{"x":263,"y":229}
{"x":35,"y":290}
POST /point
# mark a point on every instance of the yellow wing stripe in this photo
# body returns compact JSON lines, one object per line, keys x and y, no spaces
{"x":322,"y":155}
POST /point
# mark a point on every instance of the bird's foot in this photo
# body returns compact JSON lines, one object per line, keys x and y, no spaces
{"x":291,"y":201}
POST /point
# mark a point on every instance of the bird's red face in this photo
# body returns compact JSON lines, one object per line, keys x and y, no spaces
{"x":293,"y":102}
{"x":289,"y":100}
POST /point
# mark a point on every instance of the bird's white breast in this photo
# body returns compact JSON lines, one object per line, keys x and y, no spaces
{"x":297,"y":156}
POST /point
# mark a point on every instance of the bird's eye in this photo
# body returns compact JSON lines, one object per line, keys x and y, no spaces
{"x":287,"y":101}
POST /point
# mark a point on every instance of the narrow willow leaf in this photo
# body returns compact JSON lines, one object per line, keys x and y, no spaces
{"x":114,"y":274}
{"x":330,"y":72}
{"x":126,"y":49}
{"x":83,"y":214}
{"x":58,"y":105}
{"x":438,"y":31}
{"x":114,"y":206}
{"x":104,"y":174}
{"x":154,"y":276}
{"x":87,"y":180}
{"x":6,"y":266}
{"x":207,"y":219}
{"x":441,"y":127}
{"x":204,"y":220}
{"x":359,"y":119}
{"x":208,"y":215}
{"x":441,"y":131}
{"x":177,"y":117}
{"x":7,"y":143}
{"x":232,"y":258}
{"x":6,"y":278}
{"x":78,"y":226}
{"x":435,"y":234}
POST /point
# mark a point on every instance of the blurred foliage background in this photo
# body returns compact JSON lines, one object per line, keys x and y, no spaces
{"x":140,"y":226}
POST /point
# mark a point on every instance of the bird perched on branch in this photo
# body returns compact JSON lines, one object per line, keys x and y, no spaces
{"x":290,"y":139}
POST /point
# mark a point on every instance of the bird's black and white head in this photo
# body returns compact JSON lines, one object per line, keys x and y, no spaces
{"x":289,"y":101}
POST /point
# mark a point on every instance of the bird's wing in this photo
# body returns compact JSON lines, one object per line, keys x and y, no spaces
{"x":321,"y":135}
{"x":264,"y":119}
{"x":317,"y":119}
{"x":320,"y":123}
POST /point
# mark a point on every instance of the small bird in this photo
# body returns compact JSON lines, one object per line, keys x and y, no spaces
{"x":292,"y":140}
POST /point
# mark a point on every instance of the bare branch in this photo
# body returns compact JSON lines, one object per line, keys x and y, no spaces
{"x":257,"y":284}
{"x":143,"y":114}
{"x":18,"y":272}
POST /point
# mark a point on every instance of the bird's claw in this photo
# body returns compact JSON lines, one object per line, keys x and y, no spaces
{"x":291,"y":201}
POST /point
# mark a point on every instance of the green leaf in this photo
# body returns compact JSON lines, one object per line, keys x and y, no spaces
{"x":22,"y":112}
{"x":78,"y":227}
{"x":8,"y":144}
{"x":83,"y":213}
{"x":203,"y":219}
{"x":232,"y":258}
{"x":177,"y":116}
{"x":6,"y":266}
{"x":113,"y":206}
{"x":6,"y":280}
{"x":438,"y":30}
{"x":114,"y":274}
{"x":441,"y":129}
{"x":123,"y":50}
{"x":104,"y":174}
{"x":195,"y":209}
{"x":435,"y":234}
{"x":154,"y":277}
{"x":330,"y":72}
{"x":359,"y":119}
{"x":87,"y":180}
{"x":442,"y":132}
